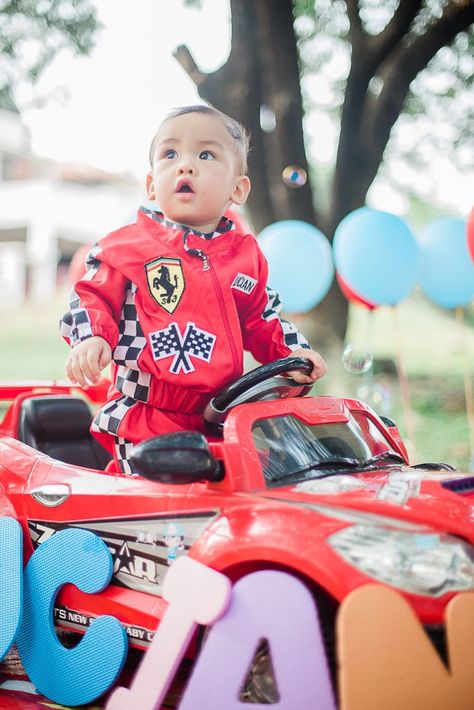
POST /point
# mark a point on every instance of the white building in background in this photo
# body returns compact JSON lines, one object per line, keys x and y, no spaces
{"x":48,"y":210}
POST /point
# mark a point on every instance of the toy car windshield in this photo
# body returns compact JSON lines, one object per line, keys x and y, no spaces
{"x":291,"y":451}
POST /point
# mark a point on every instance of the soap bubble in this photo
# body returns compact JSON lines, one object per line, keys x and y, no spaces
{"x":294,"y":176}
{"x":267,"y":119}
{"x":377,"y":396}
{"x":357,"y":359}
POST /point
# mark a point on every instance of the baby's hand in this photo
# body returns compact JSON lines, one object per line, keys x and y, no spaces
{"x":86,"y":361}
{"x":319,"y":366}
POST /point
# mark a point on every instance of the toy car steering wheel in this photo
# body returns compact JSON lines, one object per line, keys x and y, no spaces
{"x":258,"y":385}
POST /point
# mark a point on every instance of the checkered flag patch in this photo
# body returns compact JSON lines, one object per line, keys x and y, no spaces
{"x":108,"y":418}
{"x":131,"y":339}
{"x":194,"y":342}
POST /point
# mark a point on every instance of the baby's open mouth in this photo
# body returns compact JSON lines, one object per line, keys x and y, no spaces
{"x":185,"y":188}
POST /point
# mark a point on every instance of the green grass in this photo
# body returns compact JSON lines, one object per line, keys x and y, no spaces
{"x":433,"y":348}
{"x":429,"y":340}
{"x":31,"y":346}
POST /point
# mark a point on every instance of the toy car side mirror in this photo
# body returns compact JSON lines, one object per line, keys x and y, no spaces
{"x":181,"y":457}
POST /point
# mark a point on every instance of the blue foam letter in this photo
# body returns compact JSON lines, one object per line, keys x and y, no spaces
{"x":11,"y":578}
{"x":77,"y":675}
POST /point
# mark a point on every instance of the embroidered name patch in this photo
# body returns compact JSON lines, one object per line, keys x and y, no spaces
{"x":170,"y":342}
{"x":244,"y":283}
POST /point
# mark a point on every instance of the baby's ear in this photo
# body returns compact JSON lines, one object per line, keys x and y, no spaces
{"x":241,"y":190}
{"x":150,"y":188}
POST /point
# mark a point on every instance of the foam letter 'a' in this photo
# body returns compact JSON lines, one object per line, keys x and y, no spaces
{"x":11,"y":581}
{"x":277,"y":607}
{"x":195,"y":594}
{"x":80,"y":674}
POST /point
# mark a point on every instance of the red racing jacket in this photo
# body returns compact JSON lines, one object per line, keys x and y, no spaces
{"x":178,"y":312}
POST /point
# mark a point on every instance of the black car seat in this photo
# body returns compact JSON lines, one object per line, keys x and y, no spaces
{"x":58,"y":425}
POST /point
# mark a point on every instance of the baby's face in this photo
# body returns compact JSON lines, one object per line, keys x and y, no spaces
{"x":196,"y":171}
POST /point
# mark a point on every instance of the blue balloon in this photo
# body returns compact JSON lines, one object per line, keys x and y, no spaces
{"x":299,"y":262}
{"x":446,"y":272}
{"x":376,"y":254}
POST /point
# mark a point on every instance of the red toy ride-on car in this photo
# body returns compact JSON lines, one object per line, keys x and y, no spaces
{"x":319,"y":487}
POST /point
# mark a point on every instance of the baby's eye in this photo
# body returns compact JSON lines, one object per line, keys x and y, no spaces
{"x":170,"y":154}
{"x":206,"y":155}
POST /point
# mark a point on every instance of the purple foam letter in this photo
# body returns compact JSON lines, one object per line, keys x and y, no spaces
{"x":277,"y":607}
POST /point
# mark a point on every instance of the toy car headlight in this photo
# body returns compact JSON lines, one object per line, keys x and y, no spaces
{"x":422,"y":563}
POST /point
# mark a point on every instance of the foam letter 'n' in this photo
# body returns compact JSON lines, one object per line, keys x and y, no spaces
{"x":279,"y":608}
{"x":80,"y":674}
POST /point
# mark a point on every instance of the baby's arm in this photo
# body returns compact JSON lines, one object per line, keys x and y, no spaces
{"x":90,"y":327}
{"x":319,"y":366}
{"x":87,"y":360}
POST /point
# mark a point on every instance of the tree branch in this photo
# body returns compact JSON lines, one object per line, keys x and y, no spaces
{"x":356,"y":32}
{"x":407,"y":63}
{"x":186,"y":59}
{"x":395,"y":30}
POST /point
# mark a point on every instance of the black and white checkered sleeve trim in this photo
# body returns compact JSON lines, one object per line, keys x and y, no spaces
{"x":123,"y":449}
{"x":273,"y":307}
{"x":131,"y":339}
{"x":92,"y":263}
{"x":292,"y":337}
{"x":108,"y":417}
{"x":75,"y":325}
{"x":133,"y":383}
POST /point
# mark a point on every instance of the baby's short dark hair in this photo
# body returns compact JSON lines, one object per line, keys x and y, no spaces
{"x":236,"y":130}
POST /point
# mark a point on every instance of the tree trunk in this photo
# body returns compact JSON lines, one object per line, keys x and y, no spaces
{"x":263,"y":70}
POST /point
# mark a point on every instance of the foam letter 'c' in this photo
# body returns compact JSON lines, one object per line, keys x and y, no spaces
{"x":80,"y":674}
{"x":11,"y":581}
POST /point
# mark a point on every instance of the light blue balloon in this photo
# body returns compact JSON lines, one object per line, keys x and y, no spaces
{"x":376,"y":254}
{"x":446,"y":272}
{"x":299,"y":262}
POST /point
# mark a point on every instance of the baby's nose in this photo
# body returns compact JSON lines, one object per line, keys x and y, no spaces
{"x":186,"y":169}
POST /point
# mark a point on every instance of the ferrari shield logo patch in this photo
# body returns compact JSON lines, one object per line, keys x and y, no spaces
{"x":165,"y":281}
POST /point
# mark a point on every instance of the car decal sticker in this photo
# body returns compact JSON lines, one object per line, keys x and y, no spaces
{"x":399,"y":491}
{"x":331,"y":485}
{"x":142,"y":548}
{"x":78,"y":621}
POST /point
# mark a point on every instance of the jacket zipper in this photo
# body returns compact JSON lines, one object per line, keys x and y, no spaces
{"x":225,"y":318}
